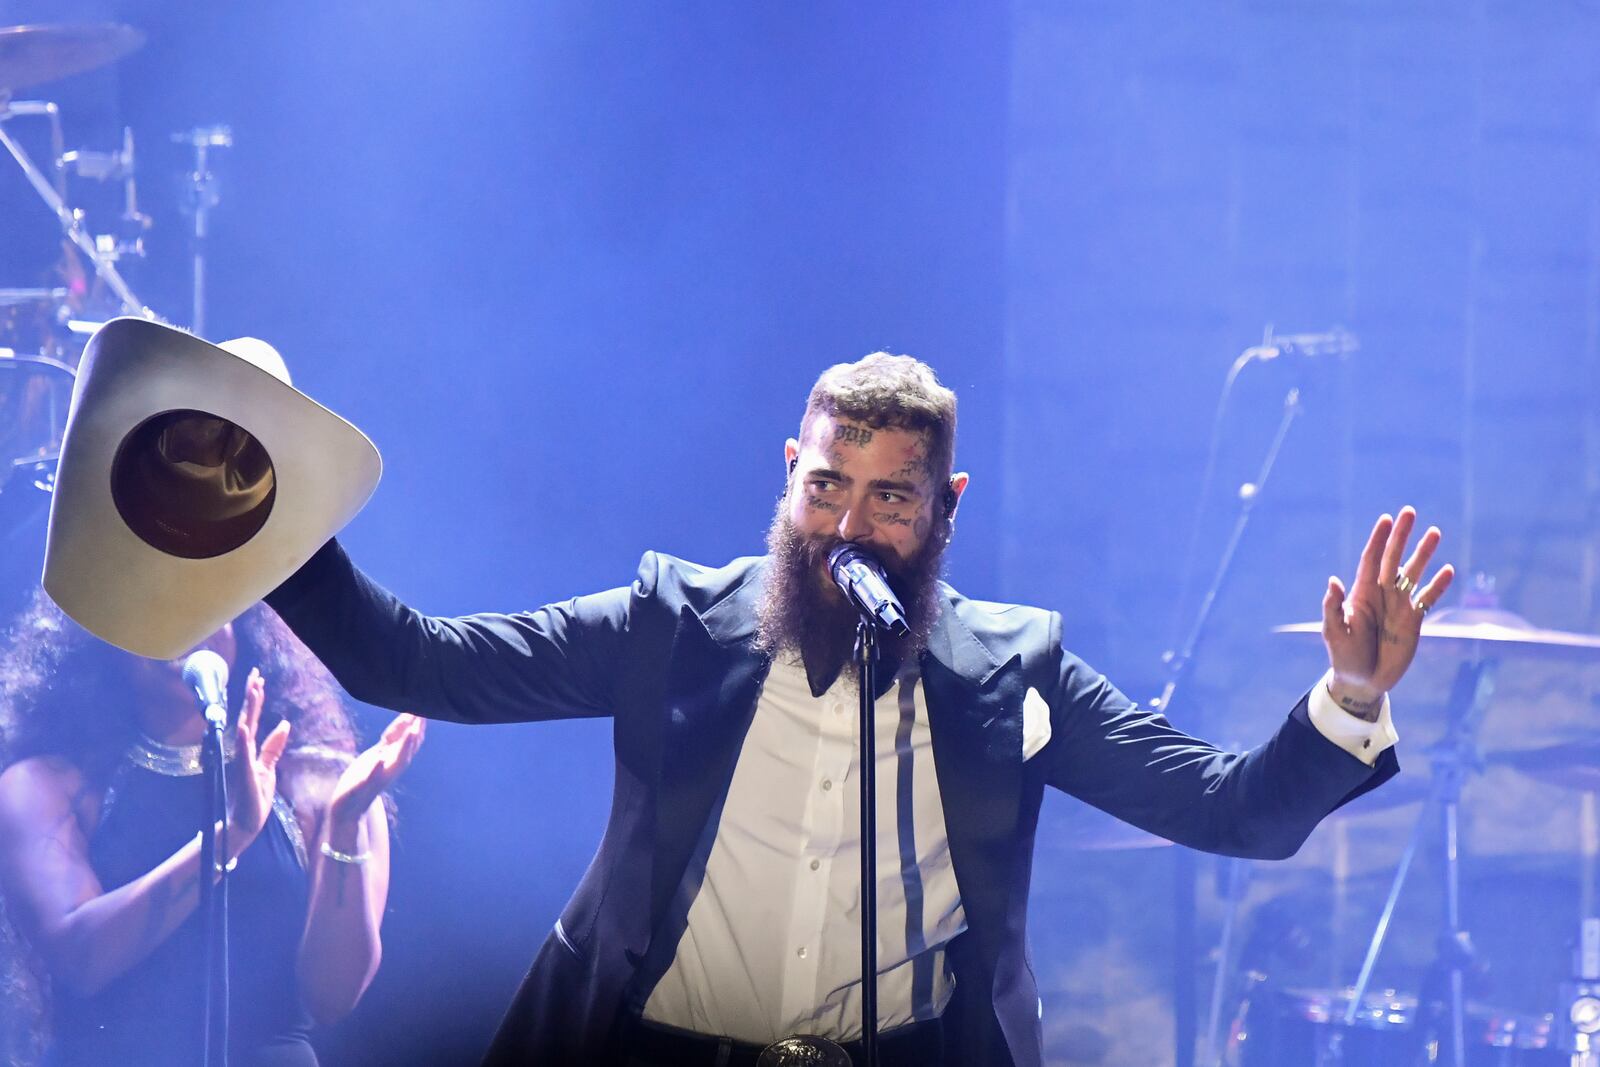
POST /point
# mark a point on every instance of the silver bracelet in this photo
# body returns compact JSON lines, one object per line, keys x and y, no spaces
{"x":354,"y":858}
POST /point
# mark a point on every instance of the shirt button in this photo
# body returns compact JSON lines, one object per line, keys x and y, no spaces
{"x":801,"y":952}
{"x":815,"y":864}
{"x":827,"y":784}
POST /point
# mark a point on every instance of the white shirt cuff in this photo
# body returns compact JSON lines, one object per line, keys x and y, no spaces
{"x":1364,"y":740}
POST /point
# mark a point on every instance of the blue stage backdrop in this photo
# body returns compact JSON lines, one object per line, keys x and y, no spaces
{"x":574,"y":265}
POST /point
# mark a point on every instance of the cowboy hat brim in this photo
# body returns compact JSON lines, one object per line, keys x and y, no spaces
{"x":134,"y":589}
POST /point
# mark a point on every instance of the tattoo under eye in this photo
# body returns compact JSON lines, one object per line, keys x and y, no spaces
{"x":818,"y":504}
{"x":889,"y":518}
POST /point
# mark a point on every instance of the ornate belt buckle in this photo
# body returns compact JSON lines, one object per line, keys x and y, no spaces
{"x":804,"y":1050}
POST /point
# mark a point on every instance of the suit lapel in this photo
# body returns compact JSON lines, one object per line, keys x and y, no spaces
{"x":975,"y":717}
{"x":712,"y":691}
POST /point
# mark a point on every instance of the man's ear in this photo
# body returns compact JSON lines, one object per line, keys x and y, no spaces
{"x":952,"y":494}
{"x":791,"y":454}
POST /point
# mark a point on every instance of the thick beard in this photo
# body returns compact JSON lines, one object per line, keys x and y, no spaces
{"x":802,"y":611}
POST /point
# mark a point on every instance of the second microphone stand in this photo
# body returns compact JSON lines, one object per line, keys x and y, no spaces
{"x":214,"y":868}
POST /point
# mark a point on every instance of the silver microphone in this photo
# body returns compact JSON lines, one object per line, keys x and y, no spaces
{"x":859,"y":575}
{"x":207,"y":674}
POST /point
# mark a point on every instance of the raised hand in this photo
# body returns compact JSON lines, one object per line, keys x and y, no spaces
{"x":375,"y":770}
{"x":254,"y":771}
{"x":1372,"y":631}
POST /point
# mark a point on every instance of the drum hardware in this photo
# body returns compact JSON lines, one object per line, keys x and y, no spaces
{"x":1082,"y":828}
{"x":1177,"y":665}
{"x":33,"y":55}
{"x":1481,"y":633}
{"x":1451,"y":760}
{"x":1278,"y":1027}
{"x":48,"y":111}
{"x":12,"y":297}
{"x":1473,"y":631}
{"x":203,"y":195}
{"x":34,"y":393}
{"x":1578,"y":1025}
{"x":101,"y":254}
{"x":115,"y":166}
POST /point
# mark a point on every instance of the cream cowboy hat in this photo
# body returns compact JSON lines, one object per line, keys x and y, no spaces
{"x":193,"y":479}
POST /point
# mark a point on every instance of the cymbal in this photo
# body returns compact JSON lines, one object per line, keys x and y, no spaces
{"x":1479,"y":626}
{"x":1408,"y":787}
{"x":32,"y":55}
{"x":1089,"y":829}
{"x":1572,"y":765}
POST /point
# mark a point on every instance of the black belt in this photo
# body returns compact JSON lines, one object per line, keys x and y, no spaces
{"x":653,"y":1045}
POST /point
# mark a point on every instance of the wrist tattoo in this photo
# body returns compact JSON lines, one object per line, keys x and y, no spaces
{"x":1365,"y":710}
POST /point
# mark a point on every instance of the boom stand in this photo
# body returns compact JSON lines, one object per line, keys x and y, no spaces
{"x":867,"y":664}
{"x":1178,"y":663}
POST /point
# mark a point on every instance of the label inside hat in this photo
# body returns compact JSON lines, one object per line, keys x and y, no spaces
{"x":191,"y":484}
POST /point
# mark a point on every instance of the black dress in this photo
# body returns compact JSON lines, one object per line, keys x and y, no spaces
{"x":151,"y":1016}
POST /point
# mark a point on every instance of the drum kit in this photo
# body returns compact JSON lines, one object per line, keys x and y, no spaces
{"x":1275,"y":1026}
{"x":1273,"y":1023}
{"x":43,"y":326}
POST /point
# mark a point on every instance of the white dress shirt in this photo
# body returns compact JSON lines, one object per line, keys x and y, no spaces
{"x":772,"y":945}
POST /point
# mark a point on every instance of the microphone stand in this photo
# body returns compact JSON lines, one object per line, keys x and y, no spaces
{"x":1183,"y":985}
{"x":866,"y":653}
{"x":214,"y":869}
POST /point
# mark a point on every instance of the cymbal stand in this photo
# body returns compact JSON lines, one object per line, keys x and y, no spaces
{"x":1452,"y":759}
{"x":202,"y":197}
{"x":70,"y":220}
{"x":118,"y":166}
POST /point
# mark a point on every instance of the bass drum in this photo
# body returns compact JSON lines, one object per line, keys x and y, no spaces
{"x":35,"y":392}
{"x":1308,"y":1028}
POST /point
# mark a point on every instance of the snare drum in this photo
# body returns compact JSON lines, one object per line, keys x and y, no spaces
{"x":1308,"y":1028}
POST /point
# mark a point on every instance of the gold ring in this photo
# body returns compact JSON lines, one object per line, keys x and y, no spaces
{"x":1403,"y":582}
{"x":1422,"y":605}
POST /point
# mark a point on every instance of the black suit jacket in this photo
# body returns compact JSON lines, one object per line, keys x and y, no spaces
{"x":671,"y":659}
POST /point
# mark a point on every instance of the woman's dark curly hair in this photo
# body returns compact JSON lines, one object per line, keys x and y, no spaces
{"x":64,"y":693}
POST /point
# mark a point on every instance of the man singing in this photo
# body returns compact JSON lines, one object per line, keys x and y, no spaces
{"x":721,"y":914}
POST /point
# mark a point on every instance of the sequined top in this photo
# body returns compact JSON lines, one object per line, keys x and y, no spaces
{"x":151,"y":1014}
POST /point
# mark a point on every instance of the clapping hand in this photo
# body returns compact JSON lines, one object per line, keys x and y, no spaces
{"x":254,"y":771}
{"x":1372,"y":630}
{"x":375,"y":770}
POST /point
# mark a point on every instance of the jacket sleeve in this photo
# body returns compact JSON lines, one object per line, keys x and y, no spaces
{"x":1132,"y":763}
{"x":558,"y":661}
